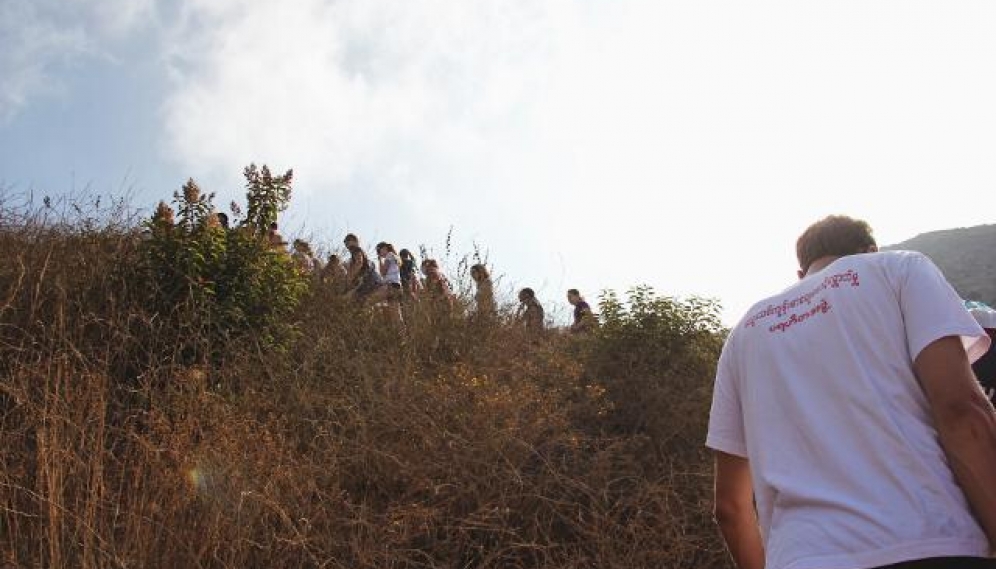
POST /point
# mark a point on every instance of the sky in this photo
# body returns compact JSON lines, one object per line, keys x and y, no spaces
{"x":591,"y":144}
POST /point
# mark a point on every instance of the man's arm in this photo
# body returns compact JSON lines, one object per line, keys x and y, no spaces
{"x":734,"y":510}
{"x":966,"y":423}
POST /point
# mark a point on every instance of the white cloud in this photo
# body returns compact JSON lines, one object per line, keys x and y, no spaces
{"x":596,"y":143}
{"x":42,"y":39}
{"x":587,"y":143}
{"x":31,"y":46}
{"x":340,"y":88}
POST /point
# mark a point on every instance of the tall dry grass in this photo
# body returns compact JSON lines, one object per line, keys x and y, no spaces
{"x":454,"y":444}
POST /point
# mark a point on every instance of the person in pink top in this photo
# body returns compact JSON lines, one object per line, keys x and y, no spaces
{"x":849,"y":431}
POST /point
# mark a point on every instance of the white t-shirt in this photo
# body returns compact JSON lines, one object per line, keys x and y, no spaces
{"x":815,"y":387}
{"x":392,"y":269}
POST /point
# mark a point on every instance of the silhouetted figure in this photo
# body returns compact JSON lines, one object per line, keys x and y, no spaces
{"x":437,"y":286}
{"x":485,"y":309}
{"x":304,"y":260}
{"x":531,"y":313}
{"x":584,"y":320}
{"x":274,"y":238}
{"x":361,"y":275}
{"x":334,"y":274}
{"x":410,"y":283}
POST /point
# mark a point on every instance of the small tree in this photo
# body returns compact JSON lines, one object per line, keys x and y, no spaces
{"x":211,"y":284}
{"x":655,"y":356}
{"x":266,"y":197}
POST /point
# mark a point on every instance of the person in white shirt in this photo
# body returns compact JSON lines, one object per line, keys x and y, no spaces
{"x":848,"y":428}
{"x":390,"y":272}
{"x":390,"y":266}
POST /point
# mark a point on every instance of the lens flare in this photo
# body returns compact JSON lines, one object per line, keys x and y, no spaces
{"x":197,"y":479}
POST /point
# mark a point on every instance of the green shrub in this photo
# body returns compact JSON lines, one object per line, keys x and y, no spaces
{"x":655,"y":357}
{"x":213,"y":285}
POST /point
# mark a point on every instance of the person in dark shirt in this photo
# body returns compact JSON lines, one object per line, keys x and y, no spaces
{"x":410,"y":282}
{"x":584,"y":320}
{"x":985,"y":367}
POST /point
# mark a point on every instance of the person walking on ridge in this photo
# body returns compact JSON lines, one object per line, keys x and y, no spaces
{"x":485,"y":309}
{"x":531,"y":312}
{"x":361,"y":275}
{"x":437,"y":286}
{"x":410,"y":283}
{"x":584,"y":320}
{"x":334,"y":274}
{"x":390,"y":273}
{"x":304,"y":259}
{"x":849,"y":431}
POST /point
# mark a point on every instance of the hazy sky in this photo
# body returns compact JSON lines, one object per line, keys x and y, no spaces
{"x":581,"y":143}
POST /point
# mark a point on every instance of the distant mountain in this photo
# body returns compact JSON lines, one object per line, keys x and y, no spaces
{"x":966,"y":256}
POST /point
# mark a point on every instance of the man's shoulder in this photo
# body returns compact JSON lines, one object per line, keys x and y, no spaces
{"x":899,"y":263}
{"x":775,"y":305}
{"x":894,"y":256}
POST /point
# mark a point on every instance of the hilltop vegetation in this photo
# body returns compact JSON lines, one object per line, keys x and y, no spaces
{"x":173,"y":394}
{"x":966,"y":256}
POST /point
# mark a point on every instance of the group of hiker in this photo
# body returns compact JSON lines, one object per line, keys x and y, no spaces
{"x":392,"y":279}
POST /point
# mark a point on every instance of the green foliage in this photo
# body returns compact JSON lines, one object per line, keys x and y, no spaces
{"x":266,"y":196}
{"x":655,"y":357}
{"x":210,"y":284}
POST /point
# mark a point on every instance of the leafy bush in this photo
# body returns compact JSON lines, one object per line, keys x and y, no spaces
{"x":215,"y":285}
{"x":653,"y":355}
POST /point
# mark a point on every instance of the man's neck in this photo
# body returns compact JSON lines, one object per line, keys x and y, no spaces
{"x":820,"y":264}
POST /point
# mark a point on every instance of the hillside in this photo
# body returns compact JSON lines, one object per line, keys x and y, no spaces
{"x":967,"y":256}
{"x":178,"y":393}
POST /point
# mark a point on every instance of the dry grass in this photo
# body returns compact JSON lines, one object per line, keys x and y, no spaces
{"x":461,"y":446}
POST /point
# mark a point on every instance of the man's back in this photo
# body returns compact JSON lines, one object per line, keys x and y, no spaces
{"x":816,"y":388}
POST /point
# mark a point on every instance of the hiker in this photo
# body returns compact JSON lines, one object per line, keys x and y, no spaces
{"x":410,"y":283}
{"x":389,"y":268}
{"x":485,"y":309}
{"x":584,"y":320}
{"x":275,"y":239}
{"x":437,"y":286}
{"x":362,"y":277}
{"x":530,"y":312}
{"x":303,"y":258}
{"x":847,"y":426}
{"x":334,"y":274}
